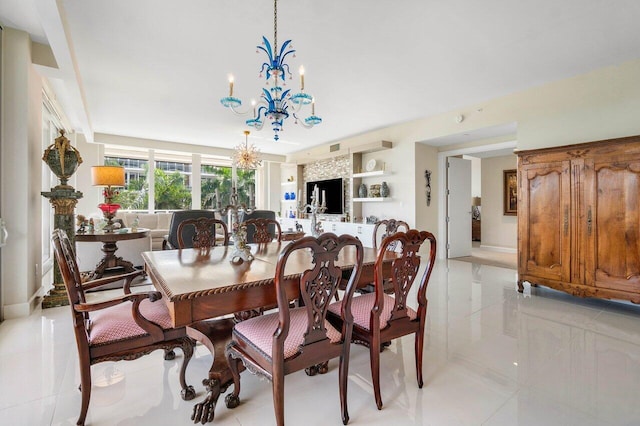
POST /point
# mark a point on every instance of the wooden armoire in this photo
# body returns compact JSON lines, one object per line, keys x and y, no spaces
{"x":579,"y":218}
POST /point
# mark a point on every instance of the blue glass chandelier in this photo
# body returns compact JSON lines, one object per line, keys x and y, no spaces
{"x":274,"y":101}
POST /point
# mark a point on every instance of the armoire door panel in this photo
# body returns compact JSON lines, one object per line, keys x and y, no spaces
{"x":545,"y":208}
{"x":616,"y":225}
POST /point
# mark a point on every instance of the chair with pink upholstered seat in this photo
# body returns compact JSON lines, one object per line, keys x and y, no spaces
{"x":120,"y":328}
{"x":276,"y":344}
{"x":379,"y":317}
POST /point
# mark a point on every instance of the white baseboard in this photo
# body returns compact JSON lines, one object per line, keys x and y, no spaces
{"x":500,"y":249}
{"x":19,"y":310}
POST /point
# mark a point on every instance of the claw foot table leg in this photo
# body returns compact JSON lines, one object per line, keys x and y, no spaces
{"x":203,"y":412}
{"x":214,"y":335}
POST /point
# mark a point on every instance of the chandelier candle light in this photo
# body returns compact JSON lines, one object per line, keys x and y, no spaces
{"x":108,"y":177}
{"x":274,"y":101}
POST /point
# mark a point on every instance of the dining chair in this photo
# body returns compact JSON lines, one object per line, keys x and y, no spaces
{"x":381,"y":230}
{"x":170,"y":241}
{"x":125,"y":327}
{"x":292,"y":339}
{"x":207,"y":232}
{"x":381,"y":317}
{"x":386,"y":227}
{"x":256,"y":214}
{"x":264,"y":230}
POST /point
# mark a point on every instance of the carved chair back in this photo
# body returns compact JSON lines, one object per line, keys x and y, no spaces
{"x":387,"y":227}
{"x":257,"y":214}
{"x":66,"y":259}
{"x":262,"y":230}
{"x":404,"y":270}
{"x":205,"y":234}
{"x":171,"y":240}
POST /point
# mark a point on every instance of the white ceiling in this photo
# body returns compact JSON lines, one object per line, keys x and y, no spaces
{"x":157,"y":68}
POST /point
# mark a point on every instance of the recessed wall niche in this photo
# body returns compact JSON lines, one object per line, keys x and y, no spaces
{"x":331,"y":168}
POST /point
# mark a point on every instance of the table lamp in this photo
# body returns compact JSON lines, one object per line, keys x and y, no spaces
{"x":108,"y":177}
{"x":475,"y":203}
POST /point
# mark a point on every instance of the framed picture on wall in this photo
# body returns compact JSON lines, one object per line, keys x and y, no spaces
{"x":510,"y":192}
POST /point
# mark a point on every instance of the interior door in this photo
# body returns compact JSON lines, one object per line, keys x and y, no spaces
{"x":458,"y":207}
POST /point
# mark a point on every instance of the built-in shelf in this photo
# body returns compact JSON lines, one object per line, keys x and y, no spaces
{"x":371,"y":199}
{"x":371,"y":174}
{"x":288,"y":201}
{"x":292,"y":182}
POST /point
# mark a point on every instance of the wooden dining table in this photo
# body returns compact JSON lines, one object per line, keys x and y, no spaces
{"x":200,"y":285}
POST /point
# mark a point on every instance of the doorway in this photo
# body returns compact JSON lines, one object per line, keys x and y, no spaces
{"x":492,"y":150}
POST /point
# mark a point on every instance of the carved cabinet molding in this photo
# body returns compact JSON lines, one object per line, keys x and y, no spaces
{"x":579,"y":218}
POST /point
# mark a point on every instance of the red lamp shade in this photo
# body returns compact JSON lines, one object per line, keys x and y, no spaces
{"x":109,"y":208}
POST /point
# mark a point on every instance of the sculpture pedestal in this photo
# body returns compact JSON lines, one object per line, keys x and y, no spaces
{"x":64,"y":199}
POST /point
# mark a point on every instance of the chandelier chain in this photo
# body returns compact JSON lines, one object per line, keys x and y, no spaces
{"x":275,"y":26}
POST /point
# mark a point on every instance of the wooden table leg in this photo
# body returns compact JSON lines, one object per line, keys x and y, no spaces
{"x":110,"y":260}
{"x":214,"y":335}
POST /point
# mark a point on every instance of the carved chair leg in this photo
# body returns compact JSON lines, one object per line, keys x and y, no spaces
{"x":232,"y":400}
{"x":323,"y":367}
{"x":419,"y":350}
{"x":344,"y":376}
{"x":374,"y":354}
{"x":187,"y":392}
{"x":85,"y":388}
{"x":278,"y":396}
{"x":169,"y":355}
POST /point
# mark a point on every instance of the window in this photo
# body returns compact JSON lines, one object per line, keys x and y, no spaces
{"x":172,"y":185}
{"x":135,"y":195}
{"x":219,"y":178}
{"x":173,"y":179}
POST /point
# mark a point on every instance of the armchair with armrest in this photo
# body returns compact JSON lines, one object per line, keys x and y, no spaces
{"x":120,"y":328}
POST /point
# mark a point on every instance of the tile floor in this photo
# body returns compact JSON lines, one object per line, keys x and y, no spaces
{"x":493,"y":357}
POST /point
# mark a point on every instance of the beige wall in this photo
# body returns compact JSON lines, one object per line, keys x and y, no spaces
{"x":498,"y":230}
{"x":426,"y":218}
{"x":21,"y":124}
{"x":91,"y":156}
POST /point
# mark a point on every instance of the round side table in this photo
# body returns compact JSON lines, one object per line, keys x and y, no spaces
{"x":109,"y":242}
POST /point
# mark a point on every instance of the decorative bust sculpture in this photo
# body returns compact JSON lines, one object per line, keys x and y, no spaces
{"x":62,"y":158}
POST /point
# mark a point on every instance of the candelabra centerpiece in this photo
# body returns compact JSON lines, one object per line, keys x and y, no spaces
{"x":242,"y":251}
{"x":316,"y":207}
